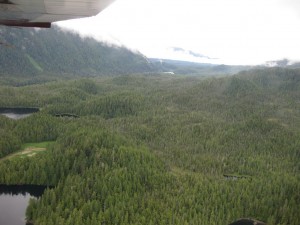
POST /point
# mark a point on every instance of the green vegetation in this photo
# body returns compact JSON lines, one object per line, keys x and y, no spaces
{"x":44,"y":144}
{"x":34,"y":63}
{"x":153,"y":149}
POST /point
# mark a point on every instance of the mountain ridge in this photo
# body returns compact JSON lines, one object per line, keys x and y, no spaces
{"x":56,"y":51}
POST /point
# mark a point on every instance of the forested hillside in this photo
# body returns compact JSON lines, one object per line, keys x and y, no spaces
{"x":153,"y":149}
{"x":28,"y":52}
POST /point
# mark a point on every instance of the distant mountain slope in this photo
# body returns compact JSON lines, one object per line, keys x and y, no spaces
{"x":194,"y":68}
{"x":54,"y":51}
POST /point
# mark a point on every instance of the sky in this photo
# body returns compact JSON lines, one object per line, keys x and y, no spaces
{"x":237,"y":32}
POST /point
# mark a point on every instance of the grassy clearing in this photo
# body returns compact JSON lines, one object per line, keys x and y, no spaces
{"x":29,"y":150}
{"x":36,"y":145}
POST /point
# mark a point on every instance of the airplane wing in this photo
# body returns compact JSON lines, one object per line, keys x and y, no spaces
{"x":41,"y":13}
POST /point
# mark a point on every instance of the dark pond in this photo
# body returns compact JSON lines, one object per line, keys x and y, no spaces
{"x":235,"y":177}
{"x":247,"y":221}
{"x":17,"y":113}
{"x":67,"y":115}
{"x":14,"y":200}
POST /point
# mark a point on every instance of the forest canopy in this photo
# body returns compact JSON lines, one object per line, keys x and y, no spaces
{"x":159,"y":149}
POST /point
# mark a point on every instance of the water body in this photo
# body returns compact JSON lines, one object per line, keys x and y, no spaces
{"x":247,"y":221}
{"x":13,"y":208}
{"x":15,"y":116}
{"x":17,"y":113}
{"x":14,"y":200}
{"x":235,"y":177}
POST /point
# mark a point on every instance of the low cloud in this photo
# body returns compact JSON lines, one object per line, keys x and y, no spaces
{"x":191,"y":53}
{"x":294,"y":4}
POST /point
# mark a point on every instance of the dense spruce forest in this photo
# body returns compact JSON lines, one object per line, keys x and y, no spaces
{"x":158,"y":149}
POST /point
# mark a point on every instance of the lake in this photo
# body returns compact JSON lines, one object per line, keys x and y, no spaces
{"x":14,"y":200}
{"x":15,"y":116}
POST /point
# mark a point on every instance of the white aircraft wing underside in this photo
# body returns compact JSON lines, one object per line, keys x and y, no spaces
{"x":44,"y":12}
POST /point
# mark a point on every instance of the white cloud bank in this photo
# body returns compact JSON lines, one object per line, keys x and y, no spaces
{"x":233,"y":31}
